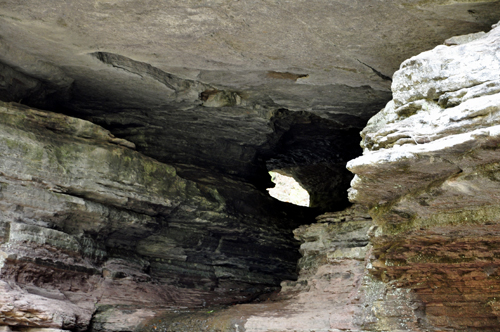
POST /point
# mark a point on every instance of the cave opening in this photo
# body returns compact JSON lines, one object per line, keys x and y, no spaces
{"x":287,"y":189}
{"x":314,"y":150}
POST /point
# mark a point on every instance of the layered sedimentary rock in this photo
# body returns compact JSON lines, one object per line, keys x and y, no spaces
{"x":335,"y":290}
{"x":145,"y":202}
{"x":428,"y":261}
{"x":429,"y":175}
{"x":329,"y":294}
{"x":231,"y":87}
{"x":88,"y":223}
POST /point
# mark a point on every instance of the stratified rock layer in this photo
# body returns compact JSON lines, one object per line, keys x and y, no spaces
{"x":95,"y":235}
{"x":330,"y":293}
{"x":87,"y":222}
{"x":430,"y":176}
{"x":334,"y":292}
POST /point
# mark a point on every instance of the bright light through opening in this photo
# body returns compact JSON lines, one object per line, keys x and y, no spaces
{"x":288,"y":190}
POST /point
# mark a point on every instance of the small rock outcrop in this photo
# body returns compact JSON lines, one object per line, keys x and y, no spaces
{"x":429,"y":174}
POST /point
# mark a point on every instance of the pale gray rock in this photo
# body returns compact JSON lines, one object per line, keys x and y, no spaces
{"x":34,"y":329}
{"x":457,"y":40}
{"x":445,"y":109}
{"x":20,"y":308}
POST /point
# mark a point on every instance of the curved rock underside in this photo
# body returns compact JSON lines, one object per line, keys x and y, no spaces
{"x":136,"y":139}
{"x":233,"y":87}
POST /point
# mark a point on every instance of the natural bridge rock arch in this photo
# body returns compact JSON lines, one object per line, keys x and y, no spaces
{"x":136,"y":139}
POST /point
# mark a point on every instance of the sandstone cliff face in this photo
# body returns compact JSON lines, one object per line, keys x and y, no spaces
{"x":329,"y":294}
{"x":335,"y":290}
{"x":135,"y":201}
{"x":429,"y":175}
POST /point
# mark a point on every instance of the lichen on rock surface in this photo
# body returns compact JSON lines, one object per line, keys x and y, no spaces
{"x":88,"y":222}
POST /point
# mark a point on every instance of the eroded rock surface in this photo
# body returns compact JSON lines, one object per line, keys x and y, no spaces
{"x":231,"y":87}
{"x":146,"y":200}
{"x":429,"y":175}
{"x":87,"y":222}
{"x":328,"y":295}
{"x":334,"y":292}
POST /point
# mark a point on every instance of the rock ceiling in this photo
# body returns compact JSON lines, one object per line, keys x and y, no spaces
{"x":158,"y":201}
{"x":231,"y":87}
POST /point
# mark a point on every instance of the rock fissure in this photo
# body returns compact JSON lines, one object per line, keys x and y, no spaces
{"x":379,"y":74}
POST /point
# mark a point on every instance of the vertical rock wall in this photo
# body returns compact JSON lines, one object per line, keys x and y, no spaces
{"x":91,"y":229}
{"x":430,"y":176}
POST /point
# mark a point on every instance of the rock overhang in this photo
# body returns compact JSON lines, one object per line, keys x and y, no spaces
{"x":224,"y":91}
{"x":87,"y":220}
{"x":140,"y":70}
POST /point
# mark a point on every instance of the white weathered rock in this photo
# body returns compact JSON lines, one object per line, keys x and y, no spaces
{"x":20,"y":308}
{"x":430,"y":176}
{"x":448,"y":90}
{"x":446,"y":107}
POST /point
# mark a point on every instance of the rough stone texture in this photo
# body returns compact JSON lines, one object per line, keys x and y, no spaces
{"x":211,"y":95}
{"x":86,"y":222}
{"x":231,"y":87}
{"x":334,"y":291}
{"x":329,"y":295}
{"x":429,"y":175}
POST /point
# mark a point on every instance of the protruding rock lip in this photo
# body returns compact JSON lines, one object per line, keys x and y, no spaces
{"x":438,"y":134}
{"x":285,"y":75}
{"x":59,"y":123}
